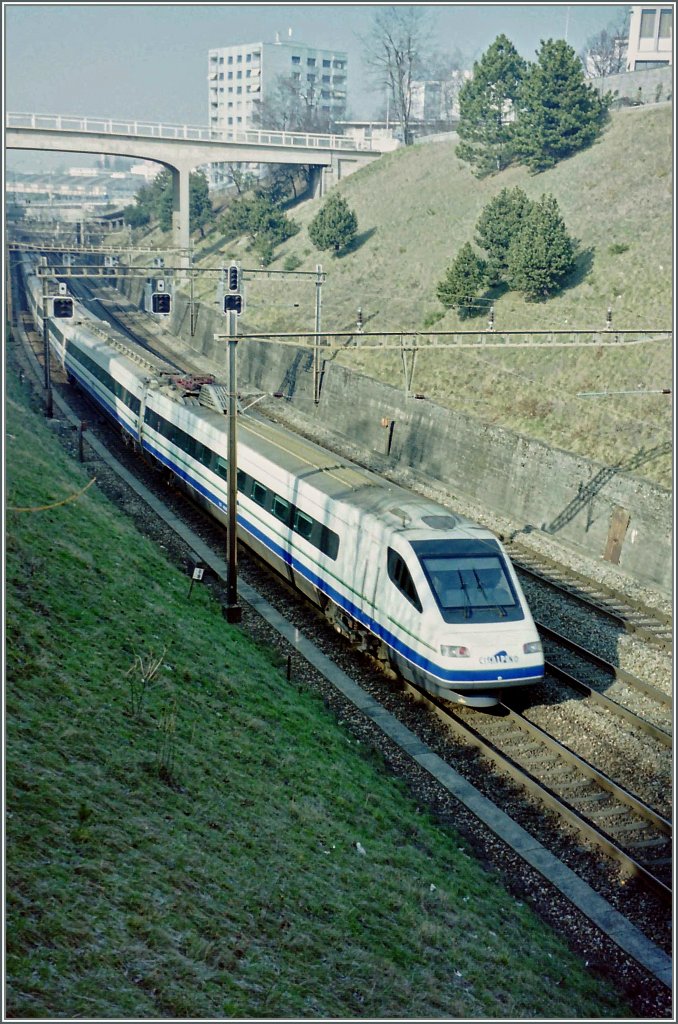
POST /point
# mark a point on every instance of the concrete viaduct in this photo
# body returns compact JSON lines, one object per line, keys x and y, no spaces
{"x":182,"y":148}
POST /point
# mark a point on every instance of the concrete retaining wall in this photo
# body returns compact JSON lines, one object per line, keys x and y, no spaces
{"x":538,"y":487}
{"x":651,"y":85}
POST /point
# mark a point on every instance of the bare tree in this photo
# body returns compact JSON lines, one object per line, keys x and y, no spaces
{"x":292,"y":106}
{"x":394,"y":52}
{"x":605,"y":53}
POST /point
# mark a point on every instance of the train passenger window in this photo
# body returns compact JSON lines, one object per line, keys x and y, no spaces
{"x":329,"y":542}
{"x":222,"y":467}
{"x":400,"y":575}
{"x":281,"y":509}
{"x":303,"y":524}
{"x":259,"y":493}
{"x":244,"y":481}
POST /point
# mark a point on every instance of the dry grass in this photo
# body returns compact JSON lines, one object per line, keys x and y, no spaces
{"x":415,"y":209}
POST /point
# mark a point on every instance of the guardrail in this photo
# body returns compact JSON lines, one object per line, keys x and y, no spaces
{"x":147,"y":129}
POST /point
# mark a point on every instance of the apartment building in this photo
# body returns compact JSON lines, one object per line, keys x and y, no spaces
{"x":650,"y":37}
{"x":242,"y":77}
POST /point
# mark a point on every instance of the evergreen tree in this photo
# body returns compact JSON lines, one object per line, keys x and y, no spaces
{"x":260,"y":219}
{"x":500,"y":222}
{"x":335,"y":225}
{"x":199,"y":204}
{"x":543,"y":254}
{"x":487,"y":108}
{"x":465,"y":280}
{"x":163,"y":201}
{"x":559,"y":112}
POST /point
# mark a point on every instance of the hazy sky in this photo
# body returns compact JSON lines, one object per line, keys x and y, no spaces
{"x":149,"y":61}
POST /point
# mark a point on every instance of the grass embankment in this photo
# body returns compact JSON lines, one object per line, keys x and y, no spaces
{"x":417,"y":207}
{"x":181,"y":819}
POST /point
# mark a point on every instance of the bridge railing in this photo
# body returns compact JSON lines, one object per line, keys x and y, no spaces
{"x":147,"y":129}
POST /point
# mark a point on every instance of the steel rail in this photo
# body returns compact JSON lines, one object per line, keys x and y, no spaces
{"x":626,"y":624}
{"x":548,"y":796}
{"x":613,"y":706}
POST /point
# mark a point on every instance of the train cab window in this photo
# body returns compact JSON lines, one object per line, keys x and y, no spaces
{"x":259,"y":493}
{"x":281,"y":509}
{"x":400,"y":575}
{"x":303,"y":524}
{"x":469,"y":580}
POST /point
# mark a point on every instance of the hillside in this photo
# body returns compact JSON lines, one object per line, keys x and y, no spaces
{"x":182,"y":818}
{"x":415,"y":209}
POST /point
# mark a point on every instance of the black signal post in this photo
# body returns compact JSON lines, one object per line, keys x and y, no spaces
{"x":233,"y":307}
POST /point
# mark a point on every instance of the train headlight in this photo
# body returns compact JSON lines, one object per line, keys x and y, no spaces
{"x":534,"y":647}
{"x":454,"y":651}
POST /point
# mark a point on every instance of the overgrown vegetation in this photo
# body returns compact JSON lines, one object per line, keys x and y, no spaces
{"x":262,"y":220}
{"x":154,"y":203}
{"x":182,"y":819}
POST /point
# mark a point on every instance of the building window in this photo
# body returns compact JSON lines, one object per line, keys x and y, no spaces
{"x":296,"y":60}
{"x":239,"y":58}
{"x":327,"y":63}
{"x":296,"y":75}
{"x":310,"y":61}
{"x":230,"y":59}
{"x":326,"y":78}
{"x":221,"y":77}
{"x":647,"y":25}
{"x":230,"y":76}
{"x":665,"y":23}
{"x":248,"y":58}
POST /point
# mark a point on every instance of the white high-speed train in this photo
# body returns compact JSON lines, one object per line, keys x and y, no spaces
{"x":429,"y":592}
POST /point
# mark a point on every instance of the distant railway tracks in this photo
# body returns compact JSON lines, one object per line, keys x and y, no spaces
{"x":552,"y":743}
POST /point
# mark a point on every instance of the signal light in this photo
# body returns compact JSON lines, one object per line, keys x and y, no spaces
{"x":62,"y":308}
{"x":233,"y":302}
{"x":234,"y":278}
{"x":161,"y":302}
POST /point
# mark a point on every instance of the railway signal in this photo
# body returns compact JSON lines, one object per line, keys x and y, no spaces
{"x":62,"y":307}
{"x":234,"y":301}
{"x":161,"y":301}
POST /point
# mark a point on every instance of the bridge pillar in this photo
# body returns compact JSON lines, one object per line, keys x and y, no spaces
{"x":318,"y":187}
{"x":181,"y":225}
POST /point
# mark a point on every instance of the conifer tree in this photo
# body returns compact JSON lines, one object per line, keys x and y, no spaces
{"x":542,"y":255}
{"x":499,"y":223}
{"x":335,"y":225}
{"x":559,"y":113}
{"x":487,"y":108}
{"x":465,"y":280}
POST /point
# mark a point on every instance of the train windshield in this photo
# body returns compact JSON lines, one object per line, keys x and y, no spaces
{"x":469,"y":581}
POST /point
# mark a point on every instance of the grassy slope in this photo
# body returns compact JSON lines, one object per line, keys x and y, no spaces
{"x":194,"y":857}
{"x":415,"y":209}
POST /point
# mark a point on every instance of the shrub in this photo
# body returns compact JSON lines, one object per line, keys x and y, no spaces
{"x":542,"y":255}
{"x":465,"y":280}
{"x":335,"y":226}
{"x":291,"y":262}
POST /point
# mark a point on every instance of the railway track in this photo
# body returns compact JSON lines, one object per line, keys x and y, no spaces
{"x":602,"y":811}
{"x":640,"y":704}
{"x":631,"y":616}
